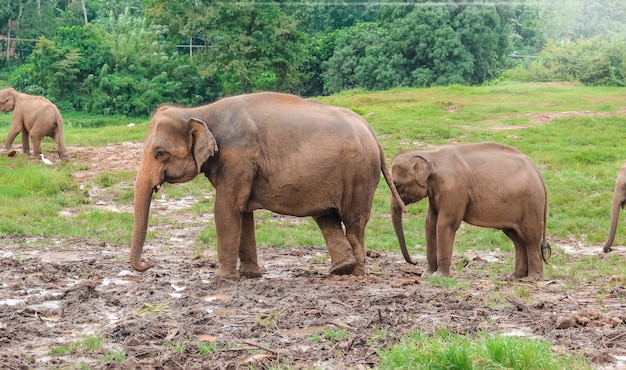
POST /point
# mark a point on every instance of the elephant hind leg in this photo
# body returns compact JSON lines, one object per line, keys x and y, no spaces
{"x":356,"y":237}
{"x":247,"y":248}
{"x":342,"y":256}
{"x":528,"y":261}
{"x":521,"y":258}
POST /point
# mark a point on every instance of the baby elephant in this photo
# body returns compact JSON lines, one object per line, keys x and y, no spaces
{"x":483,"y":184}
{"x":35,"y":117}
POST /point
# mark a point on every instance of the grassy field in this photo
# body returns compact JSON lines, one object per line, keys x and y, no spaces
{"x":576,"y":135}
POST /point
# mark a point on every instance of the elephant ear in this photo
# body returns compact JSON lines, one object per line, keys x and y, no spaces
{"x":423,"y":168}
{"x":202,"y":142}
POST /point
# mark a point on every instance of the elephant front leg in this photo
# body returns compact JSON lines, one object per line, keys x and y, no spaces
{"x":446,"y":231}
{"x":247,"y":248}
{"x":228,"y":222}
{"x":431,"y":241}
{"x":341,"y":254}
{"x":13,"y":132}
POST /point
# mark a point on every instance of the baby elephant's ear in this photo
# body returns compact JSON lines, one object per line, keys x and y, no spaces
{"x":423,"y":168}
{"x":202,"y":142}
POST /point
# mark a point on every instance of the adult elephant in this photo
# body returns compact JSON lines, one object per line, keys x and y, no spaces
{"x":35,"y":117}
{"x":483,"y":184}
{"x":266,"y":151}
{"x":619,"y":200}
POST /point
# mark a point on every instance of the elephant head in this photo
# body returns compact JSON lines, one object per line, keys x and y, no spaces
{"x":410,"y":173}
{"x":173,"y":152}
{"x":7,"y":99}
{"x":619,"y":201}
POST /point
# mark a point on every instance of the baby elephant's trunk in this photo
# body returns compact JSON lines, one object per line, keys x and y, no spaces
{"x":396,"y":216}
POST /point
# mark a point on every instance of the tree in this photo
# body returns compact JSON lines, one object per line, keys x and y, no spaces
{"x":251,"y":46}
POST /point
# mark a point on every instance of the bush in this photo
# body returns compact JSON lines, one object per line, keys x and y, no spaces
{"x":593,"y":62}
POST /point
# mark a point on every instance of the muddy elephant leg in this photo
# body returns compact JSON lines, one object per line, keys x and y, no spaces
{"x":521,"y":258}
{"x":355,"y":233}
{"x":342,"y":256}
{"x":36,"y":135}
{"x":528,"y":261}
{"x":13,"y":132}
{"x":431,"y":240}
{"x":25,"y":142}
{"x":228,"y":222}
{"x":247,"y":248}
{"x":446,"y":231}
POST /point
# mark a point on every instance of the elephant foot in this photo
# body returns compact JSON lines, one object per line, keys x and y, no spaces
{"x":529,"y":278}
{"x":358,"y":271}
{"x":12,"y":152}
{"x":227,"y":274}
{"x":607,"y":249}
{"x":441,"y":273}
{"x":250,"y":270}
{"x":344,"y":266}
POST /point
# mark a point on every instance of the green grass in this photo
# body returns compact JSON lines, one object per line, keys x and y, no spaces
{"x":445,"y":350}
{"x":86,"y":344}
{"x":579,"y":156}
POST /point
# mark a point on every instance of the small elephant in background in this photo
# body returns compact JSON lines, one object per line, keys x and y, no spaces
{"x":483,"y":184}
{"x":34,"y":117}
{"x":619,"y":201}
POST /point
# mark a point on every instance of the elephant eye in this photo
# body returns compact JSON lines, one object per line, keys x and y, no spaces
{"x":159,"y":153}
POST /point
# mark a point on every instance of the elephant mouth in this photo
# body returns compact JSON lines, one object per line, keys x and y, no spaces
{"x":156,"y":188}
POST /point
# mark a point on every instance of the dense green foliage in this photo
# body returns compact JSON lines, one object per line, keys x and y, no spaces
{"x":128,"y":57}
{"x":594,"y":61}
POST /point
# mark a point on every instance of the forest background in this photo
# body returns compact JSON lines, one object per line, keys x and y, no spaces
{"x":128,"y":57}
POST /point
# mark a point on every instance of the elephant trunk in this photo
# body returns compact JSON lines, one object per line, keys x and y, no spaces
{"x":142,"y":199}
{"x":397,"y":208}
{"x":618,"y":202}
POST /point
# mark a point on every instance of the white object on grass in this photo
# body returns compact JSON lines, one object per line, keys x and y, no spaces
{"x":45,"y":160}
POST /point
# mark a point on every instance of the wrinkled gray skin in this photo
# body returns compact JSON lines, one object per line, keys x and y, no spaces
{"x":266,"y":151}
{"x":483,"y":184}
{"x":35,"y":117}
{"x":619,"y":200}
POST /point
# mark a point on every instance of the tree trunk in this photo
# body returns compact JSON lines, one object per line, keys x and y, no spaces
{"x":84,"y":11}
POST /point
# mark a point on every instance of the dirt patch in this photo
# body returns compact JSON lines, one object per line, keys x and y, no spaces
{"x":539,"y":118}
{"x":166,"y":316}
{"x":179,"y":315}
{"x":114,"y":157}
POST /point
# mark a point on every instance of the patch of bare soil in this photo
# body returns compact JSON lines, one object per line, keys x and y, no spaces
{"x":180,"y":315}
{"x":55,"y":296}
{"x":539,"y":118}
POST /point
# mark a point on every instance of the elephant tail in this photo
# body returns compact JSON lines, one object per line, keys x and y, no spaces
{"x":546,"y":250}
{"x":387,"y":174}
{"x":59,"y":136}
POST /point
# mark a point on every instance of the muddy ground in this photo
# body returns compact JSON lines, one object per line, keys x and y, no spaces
{"x":179,"y":315}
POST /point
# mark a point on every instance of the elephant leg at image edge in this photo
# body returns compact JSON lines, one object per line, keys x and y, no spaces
{"x":247,"y":248}
{"x":342,"y":256}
